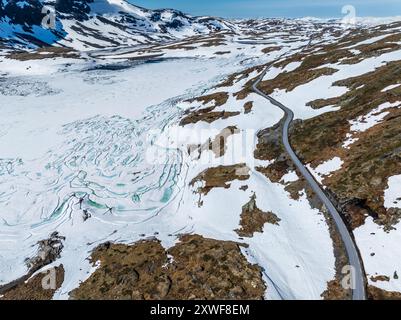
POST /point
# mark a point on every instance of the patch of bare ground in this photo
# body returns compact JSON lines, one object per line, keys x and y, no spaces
{"x":195,"y":268}
{"x":248,"y":107}
{"x":43,"y":53}
{"x":290,"y":80}
{"x":269,"y":145}
{"x":36,"y":288}
{"x":271,"y":49}
{"x":221,"y":53}
{"x":218,"y":99}
{"x":219,"y":177}
{"x":358,"y":187}
{"x":380,"y":278}
{"x":312,"y":63}
{"x":242,"y":75}
{"x":375,"y":293}
{"x":49,"y":250}
{"x":275,"y":171}
{"x":207,"y":114}
{"x":321,"y":103}
{"x":253,"y":219}
{"x":335,"y":291}
{"x":213,"y":43}
{"x":238,"y":76}
{"x":181,"y":46}
{"x":217,"y":145}
{"x":144,"y":57}
{"x":388,"y":44}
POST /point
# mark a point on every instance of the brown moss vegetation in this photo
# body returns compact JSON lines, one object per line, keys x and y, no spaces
{"x":219,"y":177}
{"x":242,"y":75}
{"x":253,"y":219}
{"x":219,"y":98}
{"x":217,"y":145}
{"x":275,"y":171}
{"x":33,"y":289}
{"x":43,"y":53}
{"x":290,"y":80}
{"x":269,"y":145}
{"x":375,"y":293}
{"x":195,"y":268}
{"x":368,"y":163}
{"x":248,"y":107}
{"x":271,"y":49}
{"x":312,"y":62}
{"x":335,"y":291}
{"x":207,"y":114}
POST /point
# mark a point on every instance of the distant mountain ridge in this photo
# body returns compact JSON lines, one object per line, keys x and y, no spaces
{"x":89,"y":24}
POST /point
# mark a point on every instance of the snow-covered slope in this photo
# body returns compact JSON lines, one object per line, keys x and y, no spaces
{"x":125,"y":114}
{"x":88,"y":24}
{"x":119,"y":144}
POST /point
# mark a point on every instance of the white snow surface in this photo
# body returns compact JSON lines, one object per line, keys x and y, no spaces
{"x":391,"y":87}
{"x":101,"y":134}
{"x":392,"y":195}
{"x":326,"y":168}
{"x":79,"y":129}
{"x":94,"y":127}
{"x":363,"y":123}
{"x":380,"y":253}
{"x":322,"y":87}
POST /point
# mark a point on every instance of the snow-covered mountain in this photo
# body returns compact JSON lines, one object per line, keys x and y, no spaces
{"x":88,"y":24}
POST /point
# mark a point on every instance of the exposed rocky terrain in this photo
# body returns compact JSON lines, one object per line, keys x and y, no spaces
{"x":195,"y":268}
{"x":361,"y":130}
{"x":253,"y":219}
{"x":35,"y":288}
{"x":223,"y":214}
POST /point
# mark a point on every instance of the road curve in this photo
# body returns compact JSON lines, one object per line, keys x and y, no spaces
{"x":358,"y":290}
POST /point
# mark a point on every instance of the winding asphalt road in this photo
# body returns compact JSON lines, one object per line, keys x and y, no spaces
{"x":358,"y":275}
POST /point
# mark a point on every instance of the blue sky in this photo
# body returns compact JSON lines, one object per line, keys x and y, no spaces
{"x":276,"y":8}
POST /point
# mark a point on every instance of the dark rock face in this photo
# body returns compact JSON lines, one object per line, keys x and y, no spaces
{"x":27,"y":13}
{"x":156,"y":16}
{"x":175,"y":24}
{"x":78,"y":9}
